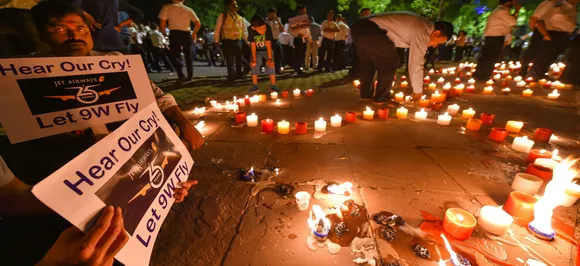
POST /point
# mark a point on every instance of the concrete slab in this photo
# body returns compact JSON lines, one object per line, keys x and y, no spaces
{"x":231,"y":155}
{"x":376,"y":133}
{"x":434,"y":136}
{"x":403,"y":168}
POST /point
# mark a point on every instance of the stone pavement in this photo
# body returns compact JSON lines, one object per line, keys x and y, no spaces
{"x":400,"y":166}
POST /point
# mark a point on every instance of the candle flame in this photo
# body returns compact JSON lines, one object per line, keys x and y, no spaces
{"x":319,"y":218}
{"x":321,"y":119}
{"x":423,"y":97}
{"x":277,"y":101}
{"x":200,"y":125}
{"x":554,"y":195}
{"x":253,"y":114}
{"x":368,"y":109}
{"x":340,"y":189}
{"x":436,"y":93}
{"x":452,"y":253}
{"x":460,"y":218}
{"x":555,"y":92}
{"x":422,"y":110}
{"x":446,"y":114}
{"x":555,"y":155}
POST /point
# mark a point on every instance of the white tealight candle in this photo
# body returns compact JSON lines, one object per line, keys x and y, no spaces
{"x":453,"y":109}
{"x":213,"y":103}
{"x":547,"y":162}
{"x":527,"y":93}
{"x":506,"y":90}
{"x":447,"y":86}
{"x":527,"y":183}
{"x":444,"y":119}
{"x":489,"y":83}
{"x":441,"y":80}
{"x":273,"y":95}
{"x":518,"y":79}
{"x":252,"y":120}
{"x":521,"y":83}
{"x":522,"y":144}
{"x":320,"y":125}
{"x":488,"y":90}
{"x":297,"y":92}
{"x":553,"y":95}
{"x":283,"y":127}
{"x":255,"y":99}
{"x":497,"y":77}
{"x":402,"y":113}
{"x":471,"y":81}
{"x":495,"y":220}
{"x":336,"y":121}
{"x":368,"y":114}
{"x":421,"y":115}
{"x":444,"y":71}
{"x":431,"y":72}
{"x":468,"y":114}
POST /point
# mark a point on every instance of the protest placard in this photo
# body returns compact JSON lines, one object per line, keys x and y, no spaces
{"x":299,"y":22}
{"x":52,"y":95}
{"x":136,"y":167}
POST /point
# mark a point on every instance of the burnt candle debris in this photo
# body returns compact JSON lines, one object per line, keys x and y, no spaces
{"x":388,"y":233}
{"x":388,"y":219}
{"x":421,"y":251}
{"x":340,"y":229}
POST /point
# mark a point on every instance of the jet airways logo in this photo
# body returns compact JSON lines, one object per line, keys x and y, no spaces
{"x":84,"y":93}
{"x":156,"y":177}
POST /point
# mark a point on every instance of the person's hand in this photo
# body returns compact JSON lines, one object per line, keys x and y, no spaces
{"x":118,"y":29}
{"x":547,"y":38}
{"x":181,"y":193}
{"x":270,"y":63}
{"x":97,"y":247}
{"x":191,"y":136}
{"x":194,"y":36}
{"x":253,"y":63}
{"x":93,"y":24}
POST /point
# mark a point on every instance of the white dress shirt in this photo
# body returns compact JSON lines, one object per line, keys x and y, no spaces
{"x":343,"y":33}
{"x":178,"y":16}
{"x":561,"y":17}
{"x":286,"y":38}
{"x":157,"y":39}
{"x":499,"y":22}
{"x":408,"y":30}
{"x":275,"y":26}
{"x":329,"y":25}
{"x":542,"y":8}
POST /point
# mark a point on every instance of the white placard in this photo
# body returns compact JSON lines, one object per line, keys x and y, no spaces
{"x":53,"y":95}
{"x":136,"y":167}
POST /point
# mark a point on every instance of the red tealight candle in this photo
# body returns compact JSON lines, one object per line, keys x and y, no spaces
{"x":426,"y":79}
{"x":537,"y":153}
{"x":403,"y":78}
{"x":543,"y":135}
{"x":487,"y":118}
{"x":548,"y":85}
{"x":350,"y":117}
{"x":529,"y":79}
{"x":504,"y":84}
{"x":498,"y":134}
{"x":540,"y":171}
{"x":247,"y":101}
{"x":301,"y":127}
{"x":383,"y":113}
{"x":285,"y":94}
{"x":309,"y":92}
{"x":521,"y":206}
{"x":437,"y":106}
{"x":459,"y":223}
{"x":457,"y":80}
{"x":267,"y":125}
{"x":470,"y":88}
{"x":240,"y":117}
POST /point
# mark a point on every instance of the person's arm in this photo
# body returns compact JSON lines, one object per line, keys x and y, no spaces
{"x":533,"y":22}
{"x":253,"y":48}
{"x":218,"y":29}
{"x":542,"y":29}
{"x":269,"y":50}
{"x":93,"y":24}
{"x":124,"y":23}
{"x":163,"y":20}
{"x":416,"y":59}
{"x":196,"y":23}
{"x":280,"y":26}
{"x":24,"y":202}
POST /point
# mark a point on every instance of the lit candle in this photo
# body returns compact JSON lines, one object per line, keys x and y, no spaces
{"x":301,"y":127}
{"x":542,"y":82}
{"x":471,"y":81}
{"x":520,"y":206}
{"x":527,"y":93}
{"x":473,"y":124}
{"x":368,"y":114}
{"x":553,"y":95}
{"x":247,"y":100}
{"x":240,"y":117}
{"x":447,"y":86}
{"x":297,"y":92}
{"x":543,"y":135}
{"x":356,"y":83}
{"x":522,"y":144}
{"x":561,"y":86}
{"x":459,"y":223}
{"x":252,"y":120}
{"x":521,"y":83}
{"x":199,"y":111}
{"x":273,"y":95}
{"x":526,"y":183}
{"x":444,"y":71}
{"x":432,"y":86}
{"x":514,"y":126}
{"x":213,"y":103}
{"x":495,"y":220}
{"x":255,"y":99}
{"x":336,"y":121}
{"x":537,"y":153}
{"x":309,"y":92}
{"x":402,"y":113}
{"x":437,"y":97}
{"x":458,"y":90}
{"x":548,"y":85}
{"x":453,"y":109}
{"x":518,"y":79}
{"x":241,"y":102}
{"x":509,"y":77}
{"x":498,"y":134}
{"x":320,"y":125}
{"x":444,"y":119}
{"x":421,"y":115}
{"x":404,"y":84}
{"x":267,"y":125}
{"x":424,"y":102}
{"x":431,"y":72}
{"x":488,"y":90}
{"x":284,"y":94}
{"x":546,"y":162}
{"x":441,"y":80}
{"x":487,"y":118}
{"x":468,"y":114}
{"x":403,"y":78}
{"x":399,"y":97}
{"x":529,"y":79}
{"x":470,"y":88}
{"x":283,"y":127}
{"x":489,"y":82}
{"x":350,"y":117}
{"x":426,"y":79}
{"x":263,"y":97}
{"x":383,"y":113}
{"x":506,"y":90}
{"x":496,"y":77}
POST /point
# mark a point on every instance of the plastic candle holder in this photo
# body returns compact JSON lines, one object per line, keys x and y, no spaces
{"x":267,"y":125}
{"x":514,"y":126}
{"x":301,"y":127}
{"x":283,"y":127}
{"x":487,"y":118}
{"x":273,"y":95}
{"x":336,"y":121}
{"x":537,"y":153}
{"x":320,"y":125}
{"x":309,"y":92}
{"x":252,"y":120}
{"x":247,"y":101}
{"x":402,"y":113}
{"x":542,"y":172}
{"x":473,"y":124}
{"x":263,"y":97}
{"x":495,"y":220}
{"x":297,"y":92}
{"x":350,"y":117}
{"x":498,"y":134}
{"x":467,"y":114}
{"x":368,"y":114}
{"x":436,"y":106}
{"x":383,"y":113}
{"x":543,"y":135}
{"x":285,"y":94}
{"x":453,"y":109}
{"x":527,"y":183}
{"x":444,"y":119}
{"x":522,"y":144}
{"x":520,"y":206}
{"x":240,"y":117}
{"x":459,"y":223}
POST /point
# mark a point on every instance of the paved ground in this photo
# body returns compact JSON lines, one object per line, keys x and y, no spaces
{"x":400,"y":166}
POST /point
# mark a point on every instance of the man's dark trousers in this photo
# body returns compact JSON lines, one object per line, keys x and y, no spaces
{"x":339,"y":55}
{"x":548,"y":52}
{"x":181,"y":41}
{"x":531,"y":52}
{"x":325,"y":54}
{"x":299,"y":54}
{"x":376,"y":53}
{"x":491,"y":53}
{"x":232,"y":50}
{"x":277,"y":50}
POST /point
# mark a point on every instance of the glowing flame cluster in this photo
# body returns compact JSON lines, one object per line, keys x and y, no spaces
{"x":563,"y":176}
{"x":340,"y":189}
{"x":318,"y":218}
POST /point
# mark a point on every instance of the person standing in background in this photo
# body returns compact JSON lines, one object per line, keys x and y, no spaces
{"x":326,"y":51}
{"x":312,"y":49}
{"x":301,"y":37}
{"x":499,"y":25}
{"x":159,"y":42}
{"x":460,"y":45}
{"x":287,"y":43}
{"x":179,"y":18}
{"x":534,"y":41}
{"x":556,"y":26}
{"x":229,"y":29}
{"x":277,"y":27}
{"x":340,"y":44}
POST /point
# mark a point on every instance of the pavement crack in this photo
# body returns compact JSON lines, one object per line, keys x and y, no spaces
{"x":237,"y":231}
